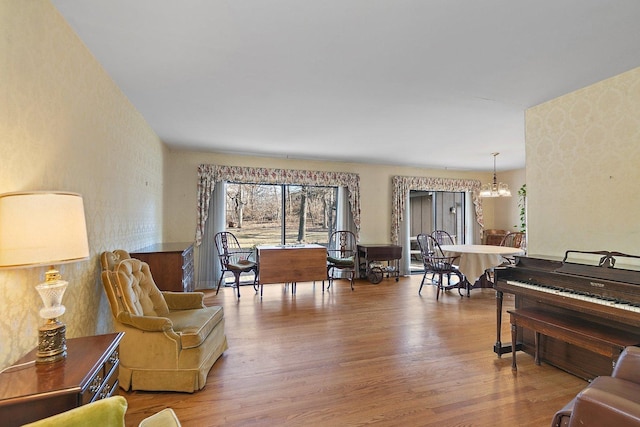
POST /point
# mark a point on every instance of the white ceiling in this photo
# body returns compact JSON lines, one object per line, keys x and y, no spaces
{"x":428,"y":83}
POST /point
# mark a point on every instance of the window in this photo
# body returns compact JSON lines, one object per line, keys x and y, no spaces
{"x":280,"y":213}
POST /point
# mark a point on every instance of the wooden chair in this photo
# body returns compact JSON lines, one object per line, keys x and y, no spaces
{"x":513,"y":240}
{"x":234,"y":259}
{"x":341,"y":255}
{"x":443,"y":238}
{"x":493,"y":236}
{"x":437,"y":263}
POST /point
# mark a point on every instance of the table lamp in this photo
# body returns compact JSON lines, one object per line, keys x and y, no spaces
{"x":44,"y":228}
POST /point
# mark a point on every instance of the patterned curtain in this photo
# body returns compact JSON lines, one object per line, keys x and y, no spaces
{"x":208,"y":175}
{"x":403,"y":184}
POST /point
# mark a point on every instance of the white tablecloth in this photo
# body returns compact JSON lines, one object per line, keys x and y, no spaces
{"x":476,"y":259}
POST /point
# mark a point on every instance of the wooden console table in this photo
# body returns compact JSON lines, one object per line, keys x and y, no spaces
{"x":37,"y":391}
{"x":171,"y":265}
{"x":291,"y":264}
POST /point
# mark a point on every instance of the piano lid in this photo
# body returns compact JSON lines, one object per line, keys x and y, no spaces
{"x":601,"y":265}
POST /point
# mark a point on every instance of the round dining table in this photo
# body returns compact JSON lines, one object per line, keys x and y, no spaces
{"x":476,"y":259}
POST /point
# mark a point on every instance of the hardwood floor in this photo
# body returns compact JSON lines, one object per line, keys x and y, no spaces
{"x":381,"y":355}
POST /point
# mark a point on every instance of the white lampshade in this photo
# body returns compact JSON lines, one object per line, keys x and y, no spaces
{"x":42,"y":228}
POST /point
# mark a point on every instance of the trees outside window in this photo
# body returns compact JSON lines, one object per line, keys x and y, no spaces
{"x":280,"y":214}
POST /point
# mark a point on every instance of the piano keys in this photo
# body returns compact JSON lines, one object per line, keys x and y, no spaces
{"x":592,"y":290}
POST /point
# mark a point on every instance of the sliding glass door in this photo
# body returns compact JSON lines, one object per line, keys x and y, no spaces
{"x":438,"y":210}
{"x":435,"y":210}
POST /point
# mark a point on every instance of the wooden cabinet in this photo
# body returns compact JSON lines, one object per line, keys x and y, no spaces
{"x":35,"y":391}
{"x":171,"y":265}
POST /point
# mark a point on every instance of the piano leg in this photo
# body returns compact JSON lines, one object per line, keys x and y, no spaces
{"x":536,"y":343}
{"x":514,"y":339}
{"x":497,"y":348}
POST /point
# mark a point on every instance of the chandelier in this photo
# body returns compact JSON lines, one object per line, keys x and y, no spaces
{"x":495,"y":189}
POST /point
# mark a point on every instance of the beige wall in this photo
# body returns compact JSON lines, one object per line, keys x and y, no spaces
{"x":65,"y":125}
{"x":583,"y":169}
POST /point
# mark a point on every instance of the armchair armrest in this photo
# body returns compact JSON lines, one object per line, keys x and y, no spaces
{"x":184,"y":300}
{"x":562,"y":417}
{"x":145,"y":323}
{"x":607,"y":401}
{"x":628,"y":366}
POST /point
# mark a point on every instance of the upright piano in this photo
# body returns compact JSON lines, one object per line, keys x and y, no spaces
{"x":587,"y":286}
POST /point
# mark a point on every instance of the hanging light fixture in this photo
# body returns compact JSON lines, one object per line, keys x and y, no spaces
{"x":495,"y":189}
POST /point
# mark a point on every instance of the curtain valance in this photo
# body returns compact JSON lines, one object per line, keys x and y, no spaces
{"x":403,"y":184}
{"x":209,"y":175}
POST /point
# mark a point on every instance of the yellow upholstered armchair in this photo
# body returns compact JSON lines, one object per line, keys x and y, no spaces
{"x":171,"y":339}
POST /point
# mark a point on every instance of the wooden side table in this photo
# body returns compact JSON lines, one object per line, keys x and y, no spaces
{"x":36,"y":391}
{"x":292,"y":263}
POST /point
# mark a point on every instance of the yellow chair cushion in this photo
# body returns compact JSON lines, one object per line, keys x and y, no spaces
{"x":107,"y":412}
{"x":194,"y":326}
{"x":140,"y":295}
{"x":164,"y":418}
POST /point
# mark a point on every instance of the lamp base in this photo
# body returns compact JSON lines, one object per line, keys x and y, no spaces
{"x":52,"y":342}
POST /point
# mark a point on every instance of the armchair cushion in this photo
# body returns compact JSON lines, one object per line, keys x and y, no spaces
{"x":108,"y":412}
{"x":164,"y":418}
{"x":140,"y":295}
{"x":194,"y":326}
{"x":105,"y":412}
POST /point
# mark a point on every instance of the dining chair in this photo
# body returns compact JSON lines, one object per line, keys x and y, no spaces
{"x":436,"y":262}
{"x":443,"y":238}
{"x":493,"y":236}
{"x":341,"y":255}
{"x":234,"y":259}
{"x":515,"y":239}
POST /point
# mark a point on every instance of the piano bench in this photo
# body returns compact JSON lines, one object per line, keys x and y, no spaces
{"x":595,"y":337}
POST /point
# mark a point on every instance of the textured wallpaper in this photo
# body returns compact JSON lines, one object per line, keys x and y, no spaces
{"x":583,"y":169}
{"x":65,"y":125}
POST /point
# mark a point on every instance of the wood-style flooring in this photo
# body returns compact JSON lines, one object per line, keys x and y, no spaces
{"x":380,"y":355}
